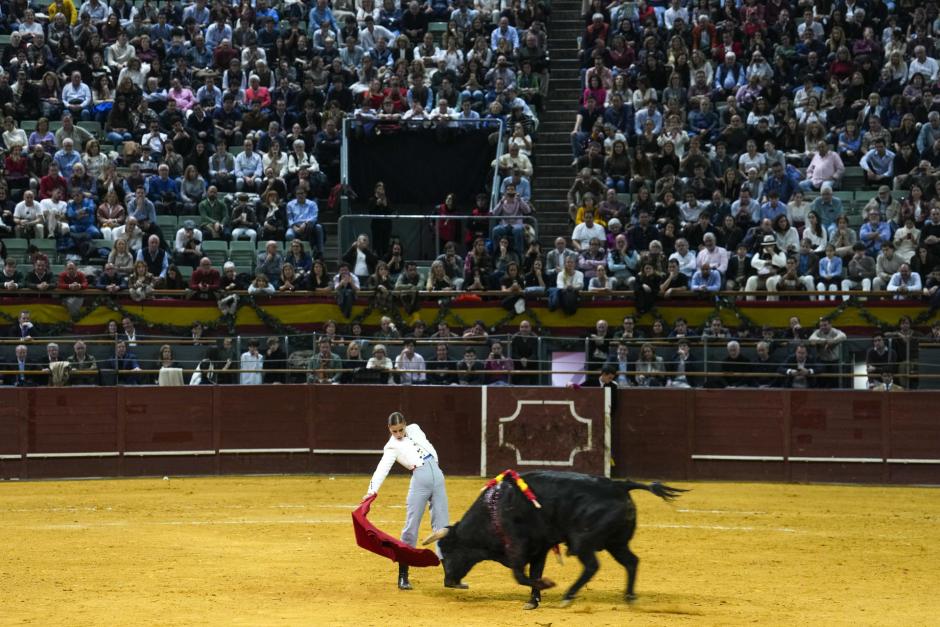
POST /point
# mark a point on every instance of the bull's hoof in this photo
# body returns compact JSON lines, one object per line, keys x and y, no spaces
{"x":629,"y":597}
{"x":456,"y":585}
{"x":531,"y":605}
{"x":565,"y":602}
{"x":543,"y":584}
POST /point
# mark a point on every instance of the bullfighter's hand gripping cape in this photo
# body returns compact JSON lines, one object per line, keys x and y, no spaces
{"x":373,"y":539}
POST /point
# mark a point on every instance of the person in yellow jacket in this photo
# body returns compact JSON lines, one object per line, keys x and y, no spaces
{"x":66,"y":8}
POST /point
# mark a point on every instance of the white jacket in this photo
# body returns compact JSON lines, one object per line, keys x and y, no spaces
{"x":408,"y":451}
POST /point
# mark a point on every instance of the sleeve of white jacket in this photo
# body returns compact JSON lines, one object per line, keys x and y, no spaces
{"x":381,"y":471}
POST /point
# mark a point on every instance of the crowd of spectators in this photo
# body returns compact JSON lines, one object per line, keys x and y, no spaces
{"x":627,"y":355}
{"x":229,"y":114}
{"x":734,"y":126}
{"x":389,"y":355}
{"x":731,"y":128}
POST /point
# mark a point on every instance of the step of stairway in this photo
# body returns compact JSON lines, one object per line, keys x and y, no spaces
{"x":557,"y":115}
{"x":555,"y":127}
{"x":564,"y":170}
{"x":567,"y":79}
{"x":558,"y":158}
{"x":564,"y":93}
{"x":556,"y":136}
{"x":557,"y":191}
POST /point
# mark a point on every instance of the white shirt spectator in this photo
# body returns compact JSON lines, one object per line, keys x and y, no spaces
{"x":81,"y":92}
{"x":27,"y":212}
{"x":928,"y":67}
{"x":134,"y":241}
{"x":415,"y":362}
{"x":688,"y":263}
{"x":670,"y":15}
{"x":181,"y":238}
{"x":254,"y":363}
{"x":575,"y":280}
{"x":35,"y":28}
{"x":155,"y":141}
{"x":911,"y":283}
{"x":367,"y":38}
{"x":583,"y":234}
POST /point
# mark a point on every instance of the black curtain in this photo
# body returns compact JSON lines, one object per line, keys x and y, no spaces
{"x":422,"y":166}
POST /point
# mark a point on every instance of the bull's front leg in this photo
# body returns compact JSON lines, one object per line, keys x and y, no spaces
{"x":518,"y":571}
{"x":536,"y":567}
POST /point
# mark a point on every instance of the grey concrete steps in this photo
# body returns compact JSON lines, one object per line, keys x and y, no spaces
{"x":553,"y":156}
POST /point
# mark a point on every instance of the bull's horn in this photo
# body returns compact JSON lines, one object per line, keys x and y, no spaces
{"x":437,"y":535}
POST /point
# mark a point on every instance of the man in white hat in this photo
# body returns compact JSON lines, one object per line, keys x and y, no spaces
{"x":188,"y":244}
{"x":766,"y":263}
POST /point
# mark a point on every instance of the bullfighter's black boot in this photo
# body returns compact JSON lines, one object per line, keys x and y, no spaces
{"x":403,"y":583}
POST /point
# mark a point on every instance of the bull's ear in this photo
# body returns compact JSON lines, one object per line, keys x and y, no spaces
{"x":437,"y":535}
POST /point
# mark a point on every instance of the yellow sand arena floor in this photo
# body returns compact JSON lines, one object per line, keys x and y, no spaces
{"x":280,"y":551}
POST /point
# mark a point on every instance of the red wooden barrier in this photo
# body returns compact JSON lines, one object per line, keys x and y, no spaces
{"x":776,"y":435}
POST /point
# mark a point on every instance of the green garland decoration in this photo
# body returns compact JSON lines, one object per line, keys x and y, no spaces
{"x":393,"y":308}
{"x":729,"y":304}
{"x":269,"y":321}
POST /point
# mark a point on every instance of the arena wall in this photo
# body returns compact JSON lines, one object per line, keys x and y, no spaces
{"x":773,"y":435}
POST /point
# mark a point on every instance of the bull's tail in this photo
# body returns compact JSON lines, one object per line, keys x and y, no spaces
{"x":663,"y":491}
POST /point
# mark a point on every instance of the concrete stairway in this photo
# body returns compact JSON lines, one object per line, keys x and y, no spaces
{"x":553,"y":172}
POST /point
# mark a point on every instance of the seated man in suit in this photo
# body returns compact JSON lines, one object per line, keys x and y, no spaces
{"x":799,"y":370}
{"x":124,"y":363}
{"x":683,"y":361}
{"x":23,"y":328}
{"x":21,"y":366}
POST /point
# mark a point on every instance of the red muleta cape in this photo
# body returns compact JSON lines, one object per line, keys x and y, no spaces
{"x":380,"y":543}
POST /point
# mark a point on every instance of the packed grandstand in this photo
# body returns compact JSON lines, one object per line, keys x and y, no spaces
{"x":743,"y":152}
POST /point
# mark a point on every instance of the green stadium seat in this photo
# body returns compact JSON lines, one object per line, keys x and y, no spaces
{"x":92,"y":127}
{"x":438,"y":29}
{"x":46,"y":246}
{"x":847,"y":197}
{"x":16,"y":248}
{"x":242,"y":254}
{"x":215,"y":250}
{"x":186,"y":271}
{"x":103,"y":243}
{"x":4,"y":40}
{"x":28,"y":125}
{"x":169,"y":225}
{"x":241,"y":246}
{"x":195,"y":218}
{"x":863,"y":196}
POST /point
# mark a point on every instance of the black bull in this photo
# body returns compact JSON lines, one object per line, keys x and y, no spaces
{"x":586,"y":513}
